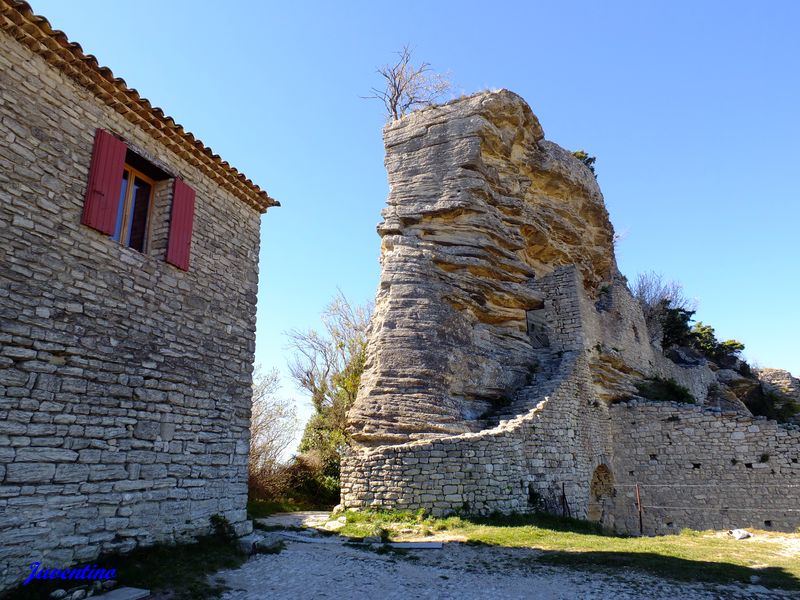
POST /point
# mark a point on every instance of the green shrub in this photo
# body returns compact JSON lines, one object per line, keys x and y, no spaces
{"x":584,"y":157}
{"x":677,"y":329}
{"x":668,"y":390}
{"x":771,"y":405}
{"x":706,"y":342}
{"x":309,"y":484}
{"x":303,"y":485}
{"x":222,"y":528}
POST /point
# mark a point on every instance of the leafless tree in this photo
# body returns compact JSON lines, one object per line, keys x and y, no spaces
{"x":328,"y":365}
{"x":320,"y":360}
{"x":408,"y":87}
{"x":651,"y":289}
{"x":272,"y":427}
{"x":655,"y":294}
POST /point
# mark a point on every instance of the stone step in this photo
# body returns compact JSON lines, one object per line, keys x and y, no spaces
{"x":526,"y":398}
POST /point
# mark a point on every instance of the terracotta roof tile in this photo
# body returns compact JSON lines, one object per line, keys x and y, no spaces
{"x":35,"y":32}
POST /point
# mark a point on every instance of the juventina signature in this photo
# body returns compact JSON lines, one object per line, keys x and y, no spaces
{"x":87,"y":572}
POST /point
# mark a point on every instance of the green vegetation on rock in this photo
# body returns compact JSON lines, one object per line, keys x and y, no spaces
{"x":584,"y":157}
{"x":658,"y":388}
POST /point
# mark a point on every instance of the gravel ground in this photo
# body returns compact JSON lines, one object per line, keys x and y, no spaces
{"x":457,"y":571}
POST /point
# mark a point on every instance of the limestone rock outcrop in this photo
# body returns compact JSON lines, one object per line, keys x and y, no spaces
{"x":507,"y":358}
{"x":480,"y":205}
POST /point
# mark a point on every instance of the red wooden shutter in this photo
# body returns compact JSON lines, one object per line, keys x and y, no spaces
{"x":105,"y":183}
{"x":180,"y":225}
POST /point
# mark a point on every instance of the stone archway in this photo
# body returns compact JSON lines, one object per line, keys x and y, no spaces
{"x":601,"y":491}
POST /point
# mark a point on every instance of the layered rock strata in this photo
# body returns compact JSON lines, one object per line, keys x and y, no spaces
{"x":480,"y":206}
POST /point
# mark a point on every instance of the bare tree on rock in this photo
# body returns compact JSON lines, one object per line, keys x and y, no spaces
{"x":408,"y":87}
{"x":655,"y":295}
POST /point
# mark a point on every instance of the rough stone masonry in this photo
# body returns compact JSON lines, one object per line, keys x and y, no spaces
{"x":505,"y":348}
{"x":125,"y":382}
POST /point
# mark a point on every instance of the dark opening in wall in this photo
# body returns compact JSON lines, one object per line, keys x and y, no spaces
{"x":767,"y":523}
{"x":695,"y":465}
{"x":534,"y":498}
{"x":537,"y":328}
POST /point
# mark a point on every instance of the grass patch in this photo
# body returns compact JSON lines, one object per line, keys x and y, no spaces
{"x":181,"y":569}
{"x":691,"y":556}
{"x":382,"y":524}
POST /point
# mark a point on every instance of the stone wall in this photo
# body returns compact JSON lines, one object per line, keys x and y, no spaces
{"x":542,"y":458}
{"x":124,"y":382}
{"x":703,"y":469}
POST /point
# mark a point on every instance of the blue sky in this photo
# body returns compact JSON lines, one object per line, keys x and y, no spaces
{"x":690,"y":107}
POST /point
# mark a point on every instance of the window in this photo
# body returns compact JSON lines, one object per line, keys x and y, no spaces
{"x":127,"y":198}
{"x":135,"y":207}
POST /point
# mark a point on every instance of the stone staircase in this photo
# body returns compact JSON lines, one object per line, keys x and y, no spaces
{"x":544,"y":381}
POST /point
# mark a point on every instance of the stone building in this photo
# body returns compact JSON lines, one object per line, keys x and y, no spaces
{"x":128,"y":279}
{"x":505,"y":352}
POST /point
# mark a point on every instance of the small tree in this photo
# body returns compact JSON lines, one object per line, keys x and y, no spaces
{"x":407,"y":87}
{"x":705,"y":340}
{"x":584,"y":157}
{"x":328,"y":365}
{"x":675,"y":326}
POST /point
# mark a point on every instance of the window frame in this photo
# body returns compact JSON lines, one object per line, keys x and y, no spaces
{"x":127,"y":205}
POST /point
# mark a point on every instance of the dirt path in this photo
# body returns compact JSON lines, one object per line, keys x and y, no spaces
{"x":332,"y":569}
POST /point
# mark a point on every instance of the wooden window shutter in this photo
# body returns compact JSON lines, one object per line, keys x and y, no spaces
{"x":105,"y":183}
{"x":180,"y":225}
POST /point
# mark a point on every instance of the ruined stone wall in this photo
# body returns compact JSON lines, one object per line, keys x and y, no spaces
{"x":124,"y":382}
{"x":703,"y":469}
{"x":524,"y":463}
